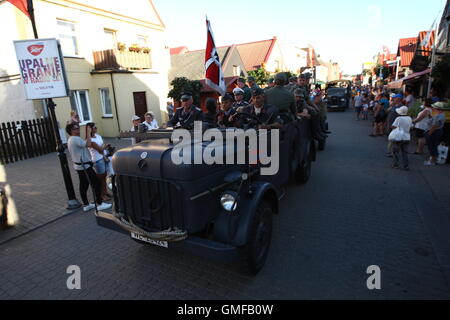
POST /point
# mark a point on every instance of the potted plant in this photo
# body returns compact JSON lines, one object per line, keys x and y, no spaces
{"x":121,"y":46}
{"x":135,"y":48}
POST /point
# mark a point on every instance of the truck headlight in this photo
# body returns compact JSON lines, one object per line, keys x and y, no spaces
{"x":228,"y":200}
{"x":343,"y":100}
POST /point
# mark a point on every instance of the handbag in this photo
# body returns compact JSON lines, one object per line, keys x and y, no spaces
{"x":442,"y":154}
{"x":397,"y":135}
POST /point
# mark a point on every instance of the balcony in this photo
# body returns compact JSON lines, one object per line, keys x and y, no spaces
{"x":117,"y":59}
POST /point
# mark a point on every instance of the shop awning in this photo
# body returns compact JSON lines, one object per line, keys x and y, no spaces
{"x":399,"y":83}
{"x":395,"y":84}
{"x":417,"y":75}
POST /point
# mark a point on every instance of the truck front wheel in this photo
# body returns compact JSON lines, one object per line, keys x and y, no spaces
{"x":254,"y":254}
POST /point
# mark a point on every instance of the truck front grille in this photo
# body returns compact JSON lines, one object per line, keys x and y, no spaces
{"x":152,"y":205}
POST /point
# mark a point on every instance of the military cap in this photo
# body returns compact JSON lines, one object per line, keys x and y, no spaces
{"x":238,"y":91}
{"x":257,"y":92}
{"x":280,"y":77}
{"x":293,"y":79}
{"x":227,"y":97}
{"x":251,"y":79}
{"x":185,"y":96}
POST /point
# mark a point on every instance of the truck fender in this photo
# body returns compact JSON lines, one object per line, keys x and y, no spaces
{"x":234,"y":229}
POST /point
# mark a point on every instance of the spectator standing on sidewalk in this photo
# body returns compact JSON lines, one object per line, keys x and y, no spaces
{"x":380,"y":113}
{"x":97,"y":150}
{"x":78,"y":149}
{"x":357,"y":103}
{"x":392,"y":115}
{"x":409,"y":100}
{"x":74,"y":118}
{"x":150,"y":121}
{"x":422,"y":124}
{"x":402,"y":125}
{"x":434,"y":135}
{"x":135,"y":128}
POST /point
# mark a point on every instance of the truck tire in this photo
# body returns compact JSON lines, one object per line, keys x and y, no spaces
{"x":304,"y":171}
{"x":254,"y":254}
{"x":321,"y":145}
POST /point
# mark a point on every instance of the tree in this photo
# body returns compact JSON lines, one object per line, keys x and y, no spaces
{"x":441,"y":76}
{"x":180,"y":85}
{"x":386,"y":72}
{"x":261,"y":75}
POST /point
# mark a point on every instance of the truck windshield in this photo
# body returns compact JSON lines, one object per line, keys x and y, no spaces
{"x":336,"y":92}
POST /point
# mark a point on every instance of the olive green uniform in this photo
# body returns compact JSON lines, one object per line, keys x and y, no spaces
{"x":283,"y":100}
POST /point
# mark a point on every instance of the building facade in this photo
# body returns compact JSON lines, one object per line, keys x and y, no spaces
{"x":115,"y":55}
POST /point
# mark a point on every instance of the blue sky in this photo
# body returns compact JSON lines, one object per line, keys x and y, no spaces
{"x":347,"y":31}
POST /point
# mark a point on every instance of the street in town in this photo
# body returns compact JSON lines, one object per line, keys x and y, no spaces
{"x":354,"y":213}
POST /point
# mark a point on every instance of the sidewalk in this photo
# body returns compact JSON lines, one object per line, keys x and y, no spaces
{"x":38,"y":190}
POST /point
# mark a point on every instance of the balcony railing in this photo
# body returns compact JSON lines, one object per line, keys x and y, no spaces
{"x":116,"y":59}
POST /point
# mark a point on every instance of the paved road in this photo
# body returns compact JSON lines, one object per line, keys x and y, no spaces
{"x":355,"y":212}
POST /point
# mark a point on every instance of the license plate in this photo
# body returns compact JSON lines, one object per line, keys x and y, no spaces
{"x":163,"y":244}
{"x":334,"y":106}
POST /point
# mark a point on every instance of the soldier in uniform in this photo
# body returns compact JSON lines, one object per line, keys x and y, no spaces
{"x":265,"y":113}
{"x":313,"y":113}
{"x":318,"y":102}
{"x":228,"y":110}
{"x":270,"y":84}
{"x":282,"y":99}
{"x":252,"y":83}
{"x":239,"y":97}
{"x":247,"y":92}
{"x":187,"y":114}
{"x":292,"y":84}
{"x":302,"y":84}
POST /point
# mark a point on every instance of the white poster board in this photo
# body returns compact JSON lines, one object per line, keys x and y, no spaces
{"x":42,"y":68}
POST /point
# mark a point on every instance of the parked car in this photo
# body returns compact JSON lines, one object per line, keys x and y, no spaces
{"x":220,"y":211}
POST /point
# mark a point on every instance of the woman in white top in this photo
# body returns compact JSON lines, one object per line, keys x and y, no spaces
{"x":401,"y":137}
{"x":150,"y":121}
{"x":422,"y":124}
{"x":97,"y":151}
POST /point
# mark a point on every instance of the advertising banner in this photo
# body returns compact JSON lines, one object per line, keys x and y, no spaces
{"x":42,"y":68}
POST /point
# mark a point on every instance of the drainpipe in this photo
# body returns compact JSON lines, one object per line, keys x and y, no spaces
{"x":115,"y":100}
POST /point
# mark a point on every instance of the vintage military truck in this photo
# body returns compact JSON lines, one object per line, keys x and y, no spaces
{"x":223,"y":211}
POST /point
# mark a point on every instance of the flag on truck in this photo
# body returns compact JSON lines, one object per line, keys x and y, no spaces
{"x":214,"y":74}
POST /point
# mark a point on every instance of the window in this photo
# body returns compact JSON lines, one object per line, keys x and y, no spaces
{"x":110,"y":39}
{"x":106,"y":102}
{"x":79,"y":101}
{"x":67,"y":37}
{"x":141,"y":40}
{"x":237,"y":71}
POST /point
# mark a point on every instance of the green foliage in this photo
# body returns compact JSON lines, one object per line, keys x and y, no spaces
{"x":261,"y":75}
{"x":384,"y":70}
{"x":414,"y":111}
{"x":180,"y":85}
{"x":441,"y":76}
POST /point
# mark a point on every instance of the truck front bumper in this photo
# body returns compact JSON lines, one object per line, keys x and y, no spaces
{"x":195,"y":245}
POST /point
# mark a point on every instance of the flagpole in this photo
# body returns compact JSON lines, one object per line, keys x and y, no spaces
{"x":33,"y":22}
